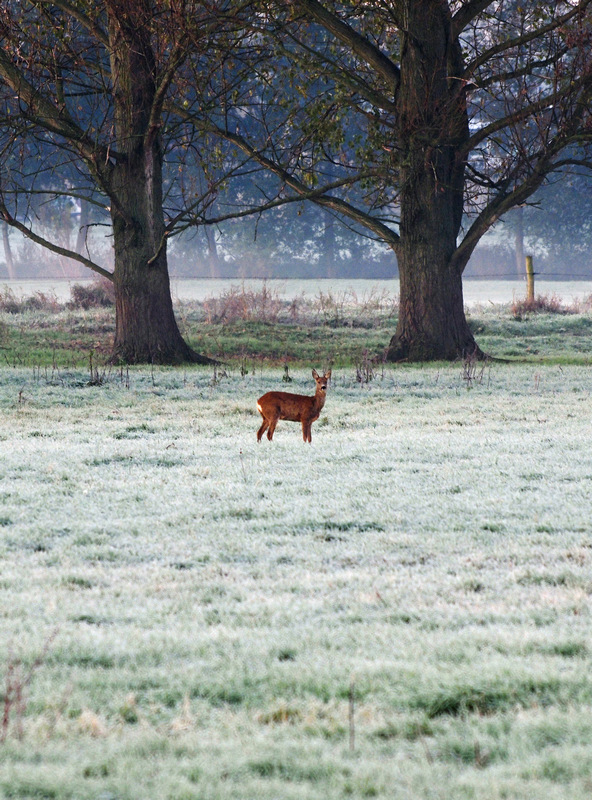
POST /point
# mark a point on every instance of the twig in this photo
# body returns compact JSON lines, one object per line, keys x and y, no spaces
{"x":352,"y":724}
{"x":15,"y":682}
{"x":242,"y":463}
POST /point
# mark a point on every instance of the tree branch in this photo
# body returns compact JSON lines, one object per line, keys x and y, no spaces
{"x":354,"y":82}
{"x":311,"y":194}
{"x":465,"y":15}
{"x":523,"y":39}
{"x":42,"y":111}
{"x":522,"y":72}
{"x":62,"y":251}
{"x":305,"y":192}
{"x":75,"y":12}
{"x":548,"y":101}
{"x":371,"y":54}
{"x":504,"y":202}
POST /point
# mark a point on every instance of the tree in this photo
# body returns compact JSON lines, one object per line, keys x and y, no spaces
{"x":84,"y":88}
{"x":558,"y":227}
{"x":8,"y":252}
{"x":462,"y":110}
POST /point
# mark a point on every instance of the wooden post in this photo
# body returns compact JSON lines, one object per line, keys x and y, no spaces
{"x":529,"y":280}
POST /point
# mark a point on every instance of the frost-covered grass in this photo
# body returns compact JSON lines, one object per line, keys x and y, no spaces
{"x":201,"y":607}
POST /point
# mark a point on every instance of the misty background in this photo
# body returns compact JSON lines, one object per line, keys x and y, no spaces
{"x":303,"y":241}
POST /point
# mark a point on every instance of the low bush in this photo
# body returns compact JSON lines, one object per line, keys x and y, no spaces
{"x":8,"y":301}
{"x":98,"y":294}
{"x":549,"y":304}
{"x":41,"y":301}
{"x":38,"y":301}
{"x":240,"y":303}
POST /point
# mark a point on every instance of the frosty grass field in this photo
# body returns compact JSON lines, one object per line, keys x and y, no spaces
{"x":399,"y":610}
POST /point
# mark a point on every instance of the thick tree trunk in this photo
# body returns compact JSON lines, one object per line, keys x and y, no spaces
{"x":146,"y":329}
{"x":432,"y":323}
{"x":432,"y":123}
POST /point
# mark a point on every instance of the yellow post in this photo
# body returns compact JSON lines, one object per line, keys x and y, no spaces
{"x":529,"y":280}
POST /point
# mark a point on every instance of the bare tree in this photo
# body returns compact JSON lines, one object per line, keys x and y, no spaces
{"x":432,"y":118}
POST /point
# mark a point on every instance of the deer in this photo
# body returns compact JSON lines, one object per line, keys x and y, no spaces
{"x":274,"y":406}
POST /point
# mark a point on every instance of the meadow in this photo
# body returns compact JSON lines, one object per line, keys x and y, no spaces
{"x":399,"y":610}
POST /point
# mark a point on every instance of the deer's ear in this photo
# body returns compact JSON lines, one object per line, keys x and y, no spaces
{"x":315,"y":374}
{"x":328,"y":375}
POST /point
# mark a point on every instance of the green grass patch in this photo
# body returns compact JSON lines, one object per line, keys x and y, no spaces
{"x":250,"y":329}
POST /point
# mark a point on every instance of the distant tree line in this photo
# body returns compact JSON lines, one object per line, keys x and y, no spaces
{"x":555,"y":227}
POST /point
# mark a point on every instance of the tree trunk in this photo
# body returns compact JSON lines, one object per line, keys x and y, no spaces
{"x":519,"y":239}
{"x":329,"y":244}
{"x":146,"y":329}
{"x":213,"y":257}
{"x":432,"y":325}
{"x":432,"y":124}
{"x":82,"y":231}
{"x":8,"y":252}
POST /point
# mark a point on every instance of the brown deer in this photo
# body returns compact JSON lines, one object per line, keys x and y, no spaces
{"x":274,"y":406}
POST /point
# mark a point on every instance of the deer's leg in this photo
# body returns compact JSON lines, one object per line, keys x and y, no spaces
{"x":272,"y":421}
{"x":272,"y":425}
{"x":306,"y":432}
{"x":262,"y":429}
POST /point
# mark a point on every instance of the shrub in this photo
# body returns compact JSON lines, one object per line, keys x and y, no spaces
{"x":39,"y":301}
{"x":240,"y":303}
{"x":8,"y":301}
{"x":541,"y":303}
{"x":98,"y":294}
